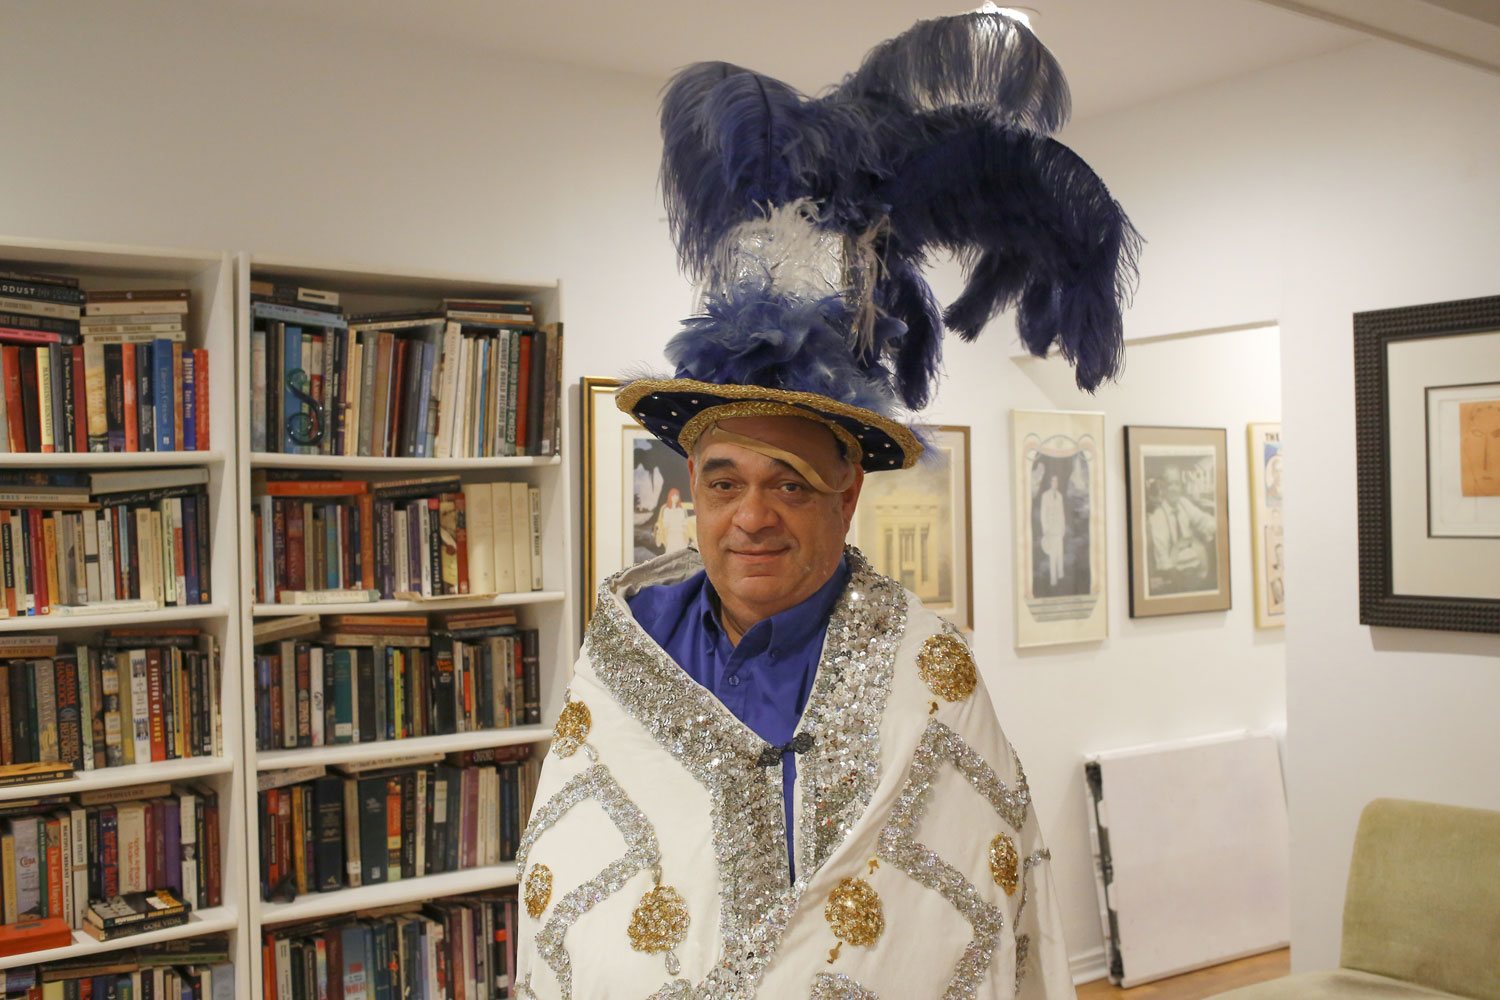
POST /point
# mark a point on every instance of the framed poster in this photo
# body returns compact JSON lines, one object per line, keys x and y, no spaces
{"x":913,"y":525}
{"x":1058,"y":499}
{"x":636,"y":499}
{"x":1427,"y":431}
{"x":1177,"y":504}
{"x":1265,"y":524}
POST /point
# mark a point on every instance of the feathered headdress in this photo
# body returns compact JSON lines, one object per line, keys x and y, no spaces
{"x":807,"y":223}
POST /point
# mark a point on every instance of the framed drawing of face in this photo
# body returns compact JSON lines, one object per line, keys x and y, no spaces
{"x":913,"y":525}
{"x":1264,"y":448}
{"x":1177,"y":502}
{"x":1427,"y":433}
{"x":1059,"y":552}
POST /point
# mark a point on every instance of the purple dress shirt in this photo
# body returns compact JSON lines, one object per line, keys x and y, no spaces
{"x":766,"y":678}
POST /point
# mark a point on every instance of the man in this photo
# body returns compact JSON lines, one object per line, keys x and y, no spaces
{"x":1054,"y":525}
{"x":1181,"y":535}
{"x":777,"y":774}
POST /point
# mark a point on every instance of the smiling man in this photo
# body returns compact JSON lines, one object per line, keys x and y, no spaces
{"x":777,"y":774}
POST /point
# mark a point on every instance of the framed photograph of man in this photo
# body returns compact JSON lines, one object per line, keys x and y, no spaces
{"x":1058,"y":499}
{"x":1177,"y":503}
{"x":1265,"y":524}
{"x":1427,"y":434}
{"x":913,"y":525}
{"x":636,"y":498}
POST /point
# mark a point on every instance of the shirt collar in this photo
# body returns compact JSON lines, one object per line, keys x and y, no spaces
{"x":795,"y":625}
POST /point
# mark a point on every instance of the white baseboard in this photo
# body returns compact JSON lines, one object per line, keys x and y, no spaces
{"x":1089,"y":966}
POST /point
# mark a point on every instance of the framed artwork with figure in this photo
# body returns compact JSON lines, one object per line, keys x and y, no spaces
{"x":1264,"y":447}
{"x":1058,"y":500}
{"x":1177,"y":507}
{"x":913,"y":525}
{"x":1427,"y":433}
{"x":637,"y":503}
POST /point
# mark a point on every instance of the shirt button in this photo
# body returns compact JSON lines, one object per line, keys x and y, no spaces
{"x":734,"y":680}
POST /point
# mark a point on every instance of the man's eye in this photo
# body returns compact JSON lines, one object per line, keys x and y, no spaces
{"x":792,"y":487}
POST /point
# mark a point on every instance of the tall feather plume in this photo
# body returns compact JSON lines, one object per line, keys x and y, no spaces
{"x":1038,"y":228}
{"x":980,"y":59}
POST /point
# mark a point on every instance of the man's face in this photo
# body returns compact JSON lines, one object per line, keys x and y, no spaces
{"x":1172,"y":482}
{"x":768,"y":539}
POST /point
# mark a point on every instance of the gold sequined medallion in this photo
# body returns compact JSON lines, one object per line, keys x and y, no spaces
{"x":572,"y":729}
{"x":854,"y":913}
{"x":538,"y":890}
{"x":946,"y":666}
{"x":1004,"y":863}
{"x":659,"y":924}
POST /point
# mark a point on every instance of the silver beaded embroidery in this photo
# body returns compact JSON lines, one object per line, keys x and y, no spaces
{"x":837,"y":986}
{"x":1023,"y":941}
{"x":642,"y":854}
{"x":837,"y":777}
{"x":899,"y":846}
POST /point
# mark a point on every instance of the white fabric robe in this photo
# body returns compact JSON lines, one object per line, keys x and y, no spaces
{"x":902,"y":788}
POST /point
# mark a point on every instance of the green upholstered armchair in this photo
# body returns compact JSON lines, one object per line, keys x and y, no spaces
{"x":1421,"y":913}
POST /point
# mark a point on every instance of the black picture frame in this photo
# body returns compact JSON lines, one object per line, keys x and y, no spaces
{"x":1374,"y":331}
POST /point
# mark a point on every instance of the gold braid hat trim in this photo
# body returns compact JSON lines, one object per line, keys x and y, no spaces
{"x":808,"y":405}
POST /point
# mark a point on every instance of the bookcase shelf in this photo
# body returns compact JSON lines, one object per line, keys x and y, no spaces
{"x":434,"y":606}
{"x":350,"y":463}
{"x":209,"y":277}
{"x":365,"y":289}
{"x":345,"y":753}
{"x":161,"y":616}
{"x":110,"y":460}
{"x":182,"y":769}
{"x":408,"y":890}
{"x":213,"y":920}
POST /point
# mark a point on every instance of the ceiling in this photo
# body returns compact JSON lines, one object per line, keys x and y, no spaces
{"x":1117,"y":53}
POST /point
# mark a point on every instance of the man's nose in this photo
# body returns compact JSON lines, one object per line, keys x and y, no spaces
{"x":754,"y":512}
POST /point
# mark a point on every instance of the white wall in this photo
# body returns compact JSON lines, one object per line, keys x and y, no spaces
{"x":179,"y":124}
{"x":1362,"y":180}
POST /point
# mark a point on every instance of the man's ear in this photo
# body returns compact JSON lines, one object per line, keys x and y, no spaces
{"x":850,"y":497}
{"x":692,"y":476}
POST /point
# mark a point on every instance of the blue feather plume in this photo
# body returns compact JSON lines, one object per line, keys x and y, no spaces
{"x":980,"y":59}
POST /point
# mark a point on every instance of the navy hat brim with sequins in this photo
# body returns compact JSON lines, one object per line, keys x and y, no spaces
{"x":679,"y":410}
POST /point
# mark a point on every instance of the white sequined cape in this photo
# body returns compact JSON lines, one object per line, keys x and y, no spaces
{"x":909,"y":787}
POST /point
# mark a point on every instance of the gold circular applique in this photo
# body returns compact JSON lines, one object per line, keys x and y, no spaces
{"x":572,"y":729}
{"x":946,"y":666}
{"x":660,"y":921}
{"x":854,"y":913}
{"x":1005,"y":863}
{"x":538,"y":890}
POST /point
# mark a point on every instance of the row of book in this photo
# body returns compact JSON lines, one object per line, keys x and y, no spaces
{"x":334,"y":541}
{"x":133,"y":696}
{"x":457,"y":948}
{"x":370,"y":823}
{"x":469,"y":378}
{"x":364,"y":678}
{"x":185,"y":969}
{"x":84,"y":543}
{"x":100,"y":371}
{"x":61,"y":855}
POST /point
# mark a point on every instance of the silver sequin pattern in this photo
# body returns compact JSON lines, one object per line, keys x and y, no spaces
{"x":899,"y":846}
{"x":749,"y":837}
{"x":837,"y":986}
{"x":1023,"y":941}
{"x":642,"y":854}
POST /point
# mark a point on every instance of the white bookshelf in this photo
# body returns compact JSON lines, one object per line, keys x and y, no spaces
{"x":551,"y":611}
{"x":210,"y":276}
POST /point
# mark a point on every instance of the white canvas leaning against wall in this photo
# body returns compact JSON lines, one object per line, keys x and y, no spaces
{"x":1057,"y":468}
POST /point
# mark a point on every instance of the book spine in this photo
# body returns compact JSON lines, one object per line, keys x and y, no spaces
{"x":69,"y":719}
{"x":189,"y":439}
{"x":145,"y":395}
{"x":164,"y":385}
{"x":204,"y":395}
{"x":75,"y":403}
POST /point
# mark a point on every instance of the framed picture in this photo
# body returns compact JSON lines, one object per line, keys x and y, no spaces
{"x":1427,"y":431}
{"x":913,"y":525}
{"x":1265,"y":524}
{"x":636,"y":500}
{"x":1058,"y":498}
{"x":1177,"y":503}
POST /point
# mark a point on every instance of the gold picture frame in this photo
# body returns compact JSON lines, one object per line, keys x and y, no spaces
{"x":1177,"y":503}
{"x":1264,"y":450}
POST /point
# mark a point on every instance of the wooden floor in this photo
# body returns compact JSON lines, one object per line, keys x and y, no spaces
{"x":1200,"y":984}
